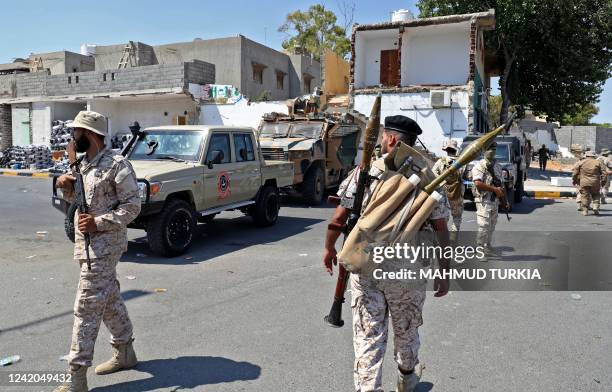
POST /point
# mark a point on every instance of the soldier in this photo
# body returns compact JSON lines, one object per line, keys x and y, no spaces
{"x":607,"y":161}
{"x":487,"y":197}
{"x":543,"y":155}
{"x":372,"y":301}
{"x":453,"y":184}
{"x":591,"y":175}
{"x":112,"y":196}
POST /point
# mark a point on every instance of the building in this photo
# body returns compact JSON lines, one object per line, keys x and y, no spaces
{"x":433,"y":70}
{"x":584,"y":137}
{"x":154,"y":85}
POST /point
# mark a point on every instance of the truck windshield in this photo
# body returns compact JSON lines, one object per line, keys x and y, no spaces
{"x":162,"y":144}
{"x":502,"y":153}
{"x":311,"y":131}
{"x":269,"y":129}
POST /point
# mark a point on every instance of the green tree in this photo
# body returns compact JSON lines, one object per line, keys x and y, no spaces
{"x":556,"y":54}
{"x":315,"y":30}
{"x":495,"y":104}
{"x":582,"y":115}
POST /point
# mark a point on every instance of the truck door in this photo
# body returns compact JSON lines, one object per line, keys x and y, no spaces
{"x":218,"y":180}
{"x":248,"y":170}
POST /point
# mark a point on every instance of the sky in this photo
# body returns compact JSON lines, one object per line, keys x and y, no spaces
{"x":38,"y":26}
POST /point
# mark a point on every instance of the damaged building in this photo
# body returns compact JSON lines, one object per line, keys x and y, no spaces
{"x":154,"y":85}
{"x":433,"y":70}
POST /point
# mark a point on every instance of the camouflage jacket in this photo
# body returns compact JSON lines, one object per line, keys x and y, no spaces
{"x":589,"y":172}
{"x":111,"y":192}
{"x":481,"y":172}
{"x":454,"y":183}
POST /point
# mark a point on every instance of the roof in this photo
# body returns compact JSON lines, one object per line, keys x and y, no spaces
{"x":483,"y":19}
{"x":14,"y":66}
{"x":196,"y":128}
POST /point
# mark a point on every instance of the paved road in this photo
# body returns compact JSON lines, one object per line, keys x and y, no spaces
{"x":244,"y":310}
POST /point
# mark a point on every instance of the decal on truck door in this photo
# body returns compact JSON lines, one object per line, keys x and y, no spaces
{"x":223,"y":185}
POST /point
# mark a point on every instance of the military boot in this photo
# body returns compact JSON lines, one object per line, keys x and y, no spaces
{"x":408,"y":382}
{"x":584,"y":211}
{"x":124,"y":357}
{"x":595,"y":211}
{"x":78,"y":380}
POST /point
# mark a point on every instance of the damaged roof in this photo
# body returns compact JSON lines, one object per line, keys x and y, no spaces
{"x":485,"y":20}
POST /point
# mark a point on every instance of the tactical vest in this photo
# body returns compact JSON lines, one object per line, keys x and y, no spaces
{"x":452,"y":184}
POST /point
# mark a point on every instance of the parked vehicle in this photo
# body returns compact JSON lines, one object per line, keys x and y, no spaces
{"x":510,"y":155}
{"x":188,"y":174}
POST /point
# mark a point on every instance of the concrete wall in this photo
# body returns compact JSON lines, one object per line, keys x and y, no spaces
{"x":6,"y":129}
{"x":589,"y":136}
{"x":300,"y":66}
{"x":121,"y":113}
{"x":437,"y":124}
{"x":337,"y":74}
{"x":436,"y":55}
{"x":41,"y":122}
{"x":240,"y":113}
{"x":130,"y":79}
{"x":253,"y":52}
{"x":63,"y":62}
{"x":368,"y":45}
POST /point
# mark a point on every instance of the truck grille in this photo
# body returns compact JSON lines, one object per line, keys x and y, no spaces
{"x":273,"y":154}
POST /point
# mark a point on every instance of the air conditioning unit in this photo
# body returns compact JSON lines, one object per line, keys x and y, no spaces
{"x":439,"y":98}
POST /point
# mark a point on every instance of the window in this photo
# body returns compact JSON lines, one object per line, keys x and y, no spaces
{"x":76,"y":79}
{"x":104,"y":77}
{"x":280,"y":80}
{"x":112,"y":76}
{"x":69,"y":79}
{"x":219,"y":142}
{"x":258,"y":70}
{"x":168,"y":144}
{"x":243,"y":147}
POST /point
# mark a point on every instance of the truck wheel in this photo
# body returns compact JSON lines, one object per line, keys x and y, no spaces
{"x":171,"y":232}
{"x":313,"y":186}
{"x":265,"y":211}
{"x":69,"y":221}
{"x":518,"y":191}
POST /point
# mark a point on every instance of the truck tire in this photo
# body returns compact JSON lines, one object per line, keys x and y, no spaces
{"x":519,"y":189}
{"x":171,"y":232}
{"x":313,"y":186}
{"x":265,"y":210}
{"x":69,"y":221}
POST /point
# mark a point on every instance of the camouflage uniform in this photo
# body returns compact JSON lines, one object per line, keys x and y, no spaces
{"x":111,"y":192}
{"x":486,"y":209}
{"x":456,"y":204}
{"x":589,"y":174}
{"x":607,"y":161}
{"x":372,"y":301}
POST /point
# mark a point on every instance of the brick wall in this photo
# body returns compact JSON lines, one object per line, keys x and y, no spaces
{"x":130,"y":79}
{"x":6,"y":131}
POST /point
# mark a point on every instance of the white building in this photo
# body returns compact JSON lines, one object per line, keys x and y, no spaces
{"x":432,"y":70}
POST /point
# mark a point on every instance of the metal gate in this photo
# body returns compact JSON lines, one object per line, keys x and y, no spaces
{"x":21,"y":125}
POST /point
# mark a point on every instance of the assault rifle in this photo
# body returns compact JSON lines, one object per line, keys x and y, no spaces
{"x":498,"y":184}
{"x":79,"y":191}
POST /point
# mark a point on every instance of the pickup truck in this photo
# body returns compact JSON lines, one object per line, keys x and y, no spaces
{"x":190,"y":173}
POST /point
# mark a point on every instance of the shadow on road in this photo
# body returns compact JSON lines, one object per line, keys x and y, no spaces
{"x":186,"y":372}
{"x":527,"y":206}
{"x":126,"y":295}
{"x":220,"y":237}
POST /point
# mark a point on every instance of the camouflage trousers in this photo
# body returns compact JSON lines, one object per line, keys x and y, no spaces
{"x":604,"y":190}
{"x":371,"y":308}
{"x":456,"y":212}
{"x":486,"y":218}
{"x":590,"y":194}
{"x":98,"y":299}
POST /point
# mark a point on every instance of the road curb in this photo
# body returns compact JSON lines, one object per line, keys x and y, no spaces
{"x":11,"y":173}
{"x":550,"y":194}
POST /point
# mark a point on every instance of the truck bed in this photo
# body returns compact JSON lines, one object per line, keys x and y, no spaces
{"x":281,"y":171}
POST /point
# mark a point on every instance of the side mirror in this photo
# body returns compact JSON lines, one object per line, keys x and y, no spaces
{"x":216,"y":157}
